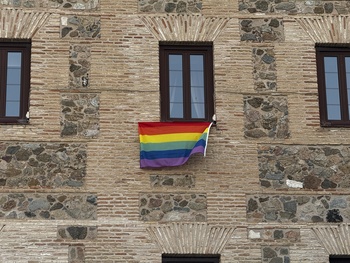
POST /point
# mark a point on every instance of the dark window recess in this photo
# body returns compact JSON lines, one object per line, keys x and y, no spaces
{"x":333,"y":74}
{"x":339,"y":259}
{"x":167,"y":258}
{"x":14,"y":81}
{"x":186,"y":82}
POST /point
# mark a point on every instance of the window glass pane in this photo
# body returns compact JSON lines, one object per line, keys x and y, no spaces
{"x":13,"y":84}
{"x":197,"y":86}
{"x":175,"y":86}
{"x":347,"y":69}
{"x":332,"y":88}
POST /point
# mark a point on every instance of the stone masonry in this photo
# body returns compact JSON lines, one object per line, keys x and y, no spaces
{"x":294,"y":7}
{"x":77,"y":232}
{"x":275,"y":254}
{"x":172,"y":6}
{"x":48,"y":206}
{"x":42,"y":165}
{"x":264,"y":72}
{"x":308,"y":167}
{"x":80,"y":27}
{"x":298,"y":208}
{"x":173,"y":207}
{"x":266,"y":116}
{"x":262,"y":30}
{"x":80,"y":115}
{"x":79,"y":65}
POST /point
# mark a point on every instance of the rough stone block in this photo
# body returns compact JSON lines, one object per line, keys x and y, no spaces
{"x":298,"y":208}
{"x":76,"y":253}
{"x":275,"y":234}
{"x":264,"y":69}
{"x":42,"y":165}
{"x":75,"y":5}
{"x":262,"y":30}
{"x":79,"y":65}
{"x":80,"y":27}
{"x":173,"y":207}
{"x":266,"y":116}
{"x":80,"y":114}
{"x":294,"y":7}
{"x":300,"y":166}
{"x":275,"y":254}
{"x":170,"y":6}
{"x":172,"y":181}
{"x":77,"y":232}
{"x":50,"y":207}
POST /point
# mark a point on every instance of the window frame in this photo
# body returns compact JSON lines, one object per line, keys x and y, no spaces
{"x":190,"y":258}
{"x":340,"y":52}
{"x":187,"y":48}
{"x":24,"y":46}
{"x":339,"y":258}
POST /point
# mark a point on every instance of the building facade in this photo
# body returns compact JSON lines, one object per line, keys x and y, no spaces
{"x":79,"y":75}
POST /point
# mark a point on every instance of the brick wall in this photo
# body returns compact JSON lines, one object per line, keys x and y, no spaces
{"x":123,"y":71}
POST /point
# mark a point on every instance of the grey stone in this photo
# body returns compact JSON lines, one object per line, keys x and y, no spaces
{"x":269,"y":253}
{"x":328,"y":7}
{"x":276,"y":260}
{"x":69,"y":129}
{"x":181,"y":7}
{"x":268,"y":59}
{"x":252,"y":205}
{"x":38,"y":204}
{"x":278,"y":234}
{"x":338,"y":203}
{"x":77,"y":232}
{"x":287,"y":6}
{"x":262,"y":5}
{"x":249,"y":37}
{"x":255,"y":133}
{"x":169,"y":7}
{"x":255,"y":102}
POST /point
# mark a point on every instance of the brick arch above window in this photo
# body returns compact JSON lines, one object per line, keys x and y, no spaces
{"x":326,"y":29}
{"x":335,"y":239}
{"x":190,"y":238}
{"x":185,"y":27}
{"x":19,"y":24}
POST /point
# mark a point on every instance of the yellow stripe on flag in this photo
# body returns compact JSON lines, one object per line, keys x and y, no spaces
{"x":170,"y":137}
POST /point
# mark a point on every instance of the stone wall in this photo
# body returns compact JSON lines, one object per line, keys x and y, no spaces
{"x":48,"y":206}
{"x":285,"y":235}
{"x":262,"y":30}
{"x":172,"y":6}
{"x":173,"y":207}
{"x":299,"y":166}
{"x":80,"y":27}
{"x":265,"y":98}
{"x":264,"y":72}
{"x":187,"y":181}
{"x":77,"y":232}
{"x":80,"y":114}
{"x":60,"y":4}
{"x":79,"y":65}
{"x":294,"y":7}
{"x":298,"y":208}
{"x":275,"y":254}
{"x":42,"y":165}
{"x":266,"y":116}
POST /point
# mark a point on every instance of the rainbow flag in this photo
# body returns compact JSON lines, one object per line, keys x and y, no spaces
{"x":165,"y":144}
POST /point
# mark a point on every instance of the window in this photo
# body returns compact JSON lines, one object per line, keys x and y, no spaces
{"x":190,"y":258}
{"x":339,"y":259}
{"x":186,"y":82}
{"x":333,"y":70}
{"x":14,"y":81}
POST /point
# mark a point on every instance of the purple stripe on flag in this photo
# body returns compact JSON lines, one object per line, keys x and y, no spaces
{"x":169,"y":161}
